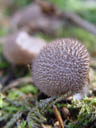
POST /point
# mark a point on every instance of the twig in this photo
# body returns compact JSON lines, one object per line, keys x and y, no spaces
{"x":80,"y":22}
{"x":18,"y":82}
{"x":58,"y":116}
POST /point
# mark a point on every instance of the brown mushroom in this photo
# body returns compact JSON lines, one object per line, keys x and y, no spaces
{"x":21,"y":48}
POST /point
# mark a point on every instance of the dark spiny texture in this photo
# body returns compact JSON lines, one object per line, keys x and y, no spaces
{"x":61,"y":66}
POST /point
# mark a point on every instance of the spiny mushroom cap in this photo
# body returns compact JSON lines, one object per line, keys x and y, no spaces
{"x":22,"y":48}
{"x":61,"y":66}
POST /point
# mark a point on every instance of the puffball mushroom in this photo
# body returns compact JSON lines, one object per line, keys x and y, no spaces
{"x":61,"y":66}
{"x":22,"y":48}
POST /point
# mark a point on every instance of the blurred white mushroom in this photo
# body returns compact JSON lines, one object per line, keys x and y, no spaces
{"x":33,"y":16}
{"x":27,"y":14}
{"x":21,"y":48}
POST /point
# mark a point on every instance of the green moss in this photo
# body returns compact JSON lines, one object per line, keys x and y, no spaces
{"x":29,"y":89}
{"x":23,"y":124}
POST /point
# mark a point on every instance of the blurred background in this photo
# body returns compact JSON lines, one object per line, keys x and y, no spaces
{"x":46,"y":20}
